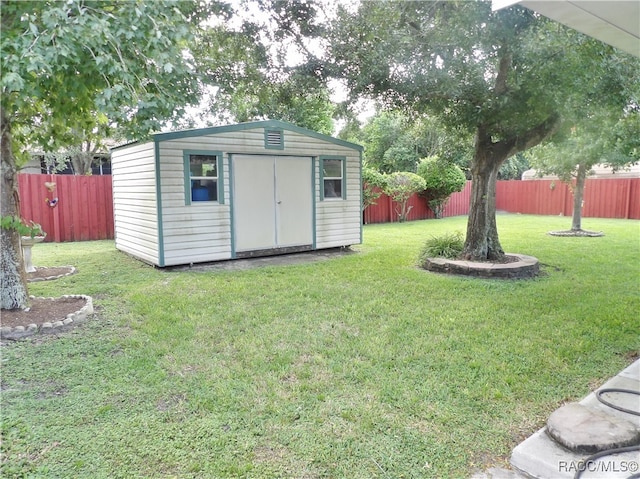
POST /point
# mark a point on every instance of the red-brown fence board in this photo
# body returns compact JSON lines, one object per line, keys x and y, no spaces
{"x":84,"y":210}
{"x":458,"y":203}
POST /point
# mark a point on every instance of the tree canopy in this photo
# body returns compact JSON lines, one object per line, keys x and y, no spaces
{"x":394,"y":141}
{"x":72,"y":66}
{"x":442,"y":179}
{"x":251,"y":66}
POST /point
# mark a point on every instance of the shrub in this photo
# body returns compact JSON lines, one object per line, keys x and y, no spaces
{"x":445,"y":246}
{"x":372,"y":185}
{"x":442,"y":179}
{"x":400,"y":186}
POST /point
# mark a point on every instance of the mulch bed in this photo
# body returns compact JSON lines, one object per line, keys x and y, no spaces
{"x":44,"y":274}
{"x":42,"y":310}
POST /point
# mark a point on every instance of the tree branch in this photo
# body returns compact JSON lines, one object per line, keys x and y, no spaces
{"x":503,"y":71}
{"x":529,"y":139}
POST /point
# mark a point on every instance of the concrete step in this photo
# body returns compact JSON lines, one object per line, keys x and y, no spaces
{"x":540,"y":457}
{"x":583,"y":429}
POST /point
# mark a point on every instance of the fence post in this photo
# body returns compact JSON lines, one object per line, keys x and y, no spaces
{"x":627,"y":206}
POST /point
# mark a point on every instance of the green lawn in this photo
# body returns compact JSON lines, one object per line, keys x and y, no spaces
{"x":362,"y":366}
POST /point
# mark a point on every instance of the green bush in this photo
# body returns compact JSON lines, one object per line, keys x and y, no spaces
{"x":442,"y":180}
{"x":444,"y":246}
{"x":400,"y":186}
{"x":372,"y":186}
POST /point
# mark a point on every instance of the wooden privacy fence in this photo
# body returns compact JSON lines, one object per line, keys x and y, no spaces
{"x":83,"y":211}
{"x":384,"y":211}
{"x":603,"y":198}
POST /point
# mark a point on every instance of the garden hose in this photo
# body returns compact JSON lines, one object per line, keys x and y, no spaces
{"x":620,"y":450}
{"x":619,"y":408}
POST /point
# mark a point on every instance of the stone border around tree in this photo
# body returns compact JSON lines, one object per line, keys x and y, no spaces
{"x":523,"y":267}
{"x":72,"y":319}
{"x":71,"y":271}
{"x":577,"y":233}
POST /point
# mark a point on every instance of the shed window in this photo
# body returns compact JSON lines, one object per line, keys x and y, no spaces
{"x":203,"y":171}
{"x":332,"y":177}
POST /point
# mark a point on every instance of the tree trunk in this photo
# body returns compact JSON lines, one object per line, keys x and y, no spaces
{"x":578,"y":195}
{"x":81,"y":161}
{"x":482,"y":241}
{"x":14,"y":280}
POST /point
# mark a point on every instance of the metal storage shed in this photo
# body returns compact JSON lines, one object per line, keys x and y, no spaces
{"x":236,"y":191}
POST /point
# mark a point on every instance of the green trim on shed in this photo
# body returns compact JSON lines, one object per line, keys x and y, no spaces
{"x":270,"y":124}
{"x":232,"y":226}
{"x":343,"y":185}
{"x":156,"y":148}
{"x":187,"y":173}
{"x":314,"y":216}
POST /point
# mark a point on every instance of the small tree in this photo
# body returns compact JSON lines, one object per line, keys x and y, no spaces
{"x":400,"y":186}
{"x":602,"y":137}
{"x":81,"y":146}
{"x":442,"y":179}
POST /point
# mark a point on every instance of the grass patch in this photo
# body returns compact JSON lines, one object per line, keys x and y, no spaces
{"x":362,"y":366}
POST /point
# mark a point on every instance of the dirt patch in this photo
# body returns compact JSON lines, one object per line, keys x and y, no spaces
{"x":45,"y":274}
{"x":42,"y":310}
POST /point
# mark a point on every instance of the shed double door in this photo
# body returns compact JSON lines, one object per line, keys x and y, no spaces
{"x":272,"y":202}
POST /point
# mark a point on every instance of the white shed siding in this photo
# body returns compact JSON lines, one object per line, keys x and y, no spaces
{"x":185,"y":228}
{"x":198,"y":232}
{"x":252,"y":142}
{"x":338,"y":220}
{"x":134,"y":201}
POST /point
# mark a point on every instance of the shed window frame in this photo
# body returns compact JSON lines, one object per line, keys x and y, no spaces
{"x":324,"y":179}
{"x":270,"y":134}
{"x":189,"y":179}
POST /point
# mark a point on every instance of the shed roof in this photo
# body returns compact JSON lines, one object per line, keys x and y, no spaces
{"x":172,"y":135}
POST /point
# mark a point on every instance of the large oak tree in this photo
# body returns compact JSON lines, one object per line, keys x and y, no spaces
{"x":504,"y":77}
